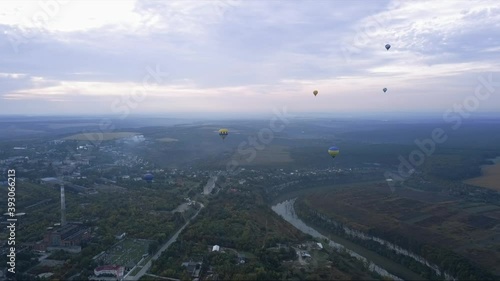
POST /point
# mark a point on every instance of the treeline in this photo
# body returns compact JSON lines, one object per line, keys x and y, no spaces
{"x":139,"y":214}
{"x":240,"y":220}
{"x":317,"y":220}
{"x":276,"y":188}
{"x":445,"y":259}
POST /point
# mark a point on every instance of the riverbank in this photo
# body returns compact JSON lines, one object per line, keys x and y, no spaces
{"x":382,"y":265}
{"x":415,"y":233}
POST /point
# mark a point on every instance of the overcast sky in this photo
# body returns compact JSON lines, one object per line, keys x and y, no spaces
{"x":246,"y":56}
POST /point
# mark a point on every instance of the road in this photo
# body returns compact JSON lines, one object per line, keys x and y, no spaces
{"x":165,"y":246}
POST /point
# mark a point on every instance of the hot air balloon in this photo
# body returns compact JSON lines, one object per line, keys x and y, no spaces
{"x":223,"y":133}
{"x":384,"y":89}
{"x":315,"y":92}
{"x":387,"y":46}
{"x":148,"y":177}
{"x":333,"y":151}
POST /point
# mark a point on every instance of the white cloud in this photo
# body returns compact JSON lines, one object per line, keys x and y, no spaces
{"x":249,"y":55}
{"x":12,"y":75}
{"x":68,"y":16}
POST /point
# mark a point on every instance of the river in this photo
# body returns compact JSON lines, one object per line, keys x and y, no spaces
{"x":382,"y":266}
{"x":210,"y":185}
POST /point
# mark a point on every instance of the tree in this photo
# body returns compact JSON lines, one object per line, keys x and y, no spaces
{"x":153,"y":246}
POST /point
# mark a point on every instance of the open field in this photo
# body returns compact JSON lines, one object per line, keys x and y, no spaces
{"x":432,"y":222}
{"x":126,"y":253}
{"x":489,"y":179}
{"x":71,"y":125}
{"x":167,"y":140}
{"x":110,"y":188}
{"x":272,"y":154}
{"x":100,"y":136}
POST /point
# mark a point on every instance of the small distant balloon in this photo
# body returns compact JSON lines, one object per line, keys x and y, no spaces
{"x":387,"y":46}
{"x":333,"y":151}
{"x":315,"y":92}
{"x":223,"y":133}
{"x":385,"y":90}
{"x":148,"y":177}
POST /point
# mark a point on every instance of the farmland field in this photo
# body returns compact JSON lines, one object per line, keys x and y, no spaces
{"x":100,"y":136}
{"x":489,"y":179}
{"x":432,"y":222}
{"x":126,"y":253}
{"x":71,"y":125}
{"x":168,"y":139}
{"x":272,"y":154}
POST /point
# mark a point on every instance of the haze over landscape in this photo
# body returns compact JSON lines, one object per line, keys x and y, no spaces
{"x":250,"y":140}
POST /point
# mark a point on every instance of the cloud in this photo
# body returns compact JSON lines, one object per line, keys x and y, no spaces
{"x":12,"y":75}
{"x":234,"y":55}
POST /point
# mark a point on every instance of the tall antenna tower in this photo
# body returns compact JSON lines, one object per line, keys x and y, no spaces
{"x":63,"y":207}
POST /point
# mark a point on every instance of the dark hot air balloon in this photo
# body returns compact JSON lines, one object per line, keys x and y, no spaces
{"x":148,"y":177}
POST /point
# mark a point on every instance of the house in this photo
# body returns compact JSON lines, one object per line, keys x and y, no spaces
{"x":215,"y":248}
{"x":67,"y":237}
{"x":193,"y":268}
{"x":241,"y":258}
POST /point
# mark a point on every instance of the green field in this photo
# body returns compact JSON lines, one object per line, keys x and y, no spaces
{"x":490,"y":177}
{"x":482,"y":208}
{"x":167,"y":139}
{"x":72,"y":125}
{"x":272,"y":154}
{"x":126,"y":253}
{"x":463,"y":228}
{"x":100,"y":136}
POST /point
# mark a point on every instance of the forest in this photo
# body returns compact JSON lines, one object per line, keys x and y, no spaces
{"x":442,"y":256}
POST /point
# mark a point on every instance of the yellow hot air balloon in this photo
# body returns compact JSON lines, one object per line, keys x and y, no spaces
{"x":223,"y":133}
{"x":315,"y":92}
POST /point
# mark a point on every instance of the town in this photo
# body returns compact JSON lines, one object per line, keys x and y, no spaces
{"x":83,"y":171}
